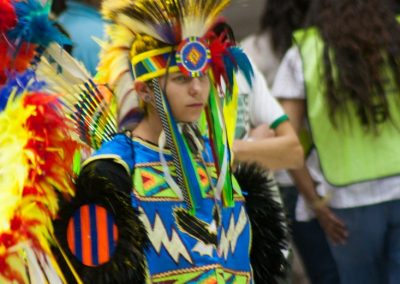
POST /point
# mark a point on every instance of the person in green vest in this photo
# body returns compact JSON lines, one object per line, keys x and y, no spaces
{"x":343,"y":76}
{"x":266,"y":48}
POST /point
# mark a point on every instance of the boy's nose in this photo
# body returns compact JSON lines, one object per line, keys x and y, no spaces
{"x":195,"y":86}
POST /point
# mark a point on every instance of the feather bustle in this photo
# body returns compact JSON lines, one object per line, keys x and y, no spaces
{"x":90,"y":105}
{"x":42,"y":147}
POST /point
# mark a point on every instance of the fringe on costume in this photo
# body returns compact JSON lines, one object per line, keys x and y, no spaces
{"x":267,"y":217}
{"x":106,"y":184}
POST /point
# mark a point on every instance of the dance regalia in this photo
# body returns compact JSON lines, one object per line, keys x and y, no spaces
{"x":146,"y":214}
{"x":140,"y":214}
{"x":213,"y":244}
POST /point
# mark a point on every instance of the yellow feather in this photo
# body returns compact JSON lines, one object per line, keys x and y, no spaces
{"x":117,"y":49}
{"x":137,"y":26}
{"x":13,"y":163}
{"x":110,"y":6}
{"x":230,"y":113}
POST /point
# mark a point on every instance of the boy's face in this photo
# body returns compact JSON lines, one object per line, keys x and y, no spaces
{"x":187,"y":96}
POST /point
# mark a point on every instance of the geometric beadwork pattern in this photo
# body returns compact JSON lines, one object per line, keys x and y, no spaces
{"x":202,"y":275}
{"x":150,"y":182}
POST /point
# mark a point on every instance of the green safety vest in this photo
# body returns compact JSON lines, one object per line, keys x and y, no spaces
{"x":348,"y":154}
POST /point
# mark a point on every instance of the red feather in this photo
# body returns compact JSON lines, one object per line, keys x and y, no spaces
{"x":14,"y":63}
{"x":8,"y":17}
{"x":24,"y":57}
{"x":51,"y":142}
{"x":4,"y":61}
{"x":218,"y":46}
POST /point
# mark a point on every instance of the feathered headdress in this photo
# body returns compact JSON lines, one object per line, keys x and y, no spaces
{"x":180,"y":31}
{"x":183,"y":28}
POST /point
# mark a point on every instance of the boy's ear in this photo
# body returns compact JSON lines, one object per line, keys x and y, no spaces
{"x":142,"y":89}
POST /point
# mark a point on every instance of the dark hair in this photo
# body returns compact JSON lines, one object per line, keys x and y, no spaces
{"x":282,"y":18}
{"x":58,"y":6}
{"x":361,"y":38}
{"x":221,"y":27}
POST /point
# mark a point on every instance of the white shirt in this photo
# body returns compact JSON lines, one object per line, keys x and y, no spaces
{"x":289,"y":84}
{"x":259,"y":48}
{"x":256,"y":105}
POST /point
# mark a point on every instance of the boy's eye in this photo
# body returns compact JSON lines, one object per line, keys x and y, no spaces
{"x":182,"y":79}
{"x":203,"y":77}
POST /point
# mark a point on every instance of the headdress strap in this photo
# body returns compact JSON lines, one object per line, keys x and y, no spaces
{"x":191,"y":57}
{"x":187,"y":178}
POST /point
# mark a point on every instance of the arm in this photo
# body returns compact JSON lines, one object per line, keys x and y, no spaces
{"x":332,"y":225}
{"x":278,"y":152}
{"x":295,"y":108}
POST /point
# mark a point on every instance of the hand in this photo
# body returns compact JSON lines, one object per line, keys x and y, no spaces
{"x":260,"y":132}
{"x":334,"y":228}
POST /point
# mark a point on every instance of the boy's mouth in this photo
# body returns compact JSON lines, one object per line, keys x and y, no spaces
{"x":195,"y":105}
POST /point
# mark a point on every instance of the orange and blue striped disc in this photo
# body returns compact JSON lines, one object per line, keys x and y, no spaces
{"x":92,"y":235}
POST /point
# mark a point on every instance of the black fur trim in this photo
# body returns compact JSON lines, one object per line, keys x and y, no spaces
{"x":267,"y":218}
{"x":107,"y":184}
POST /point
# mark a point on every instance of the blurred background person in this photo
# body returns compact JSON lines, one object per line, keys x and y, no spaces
{"x":82,"y":20}
{"x":267,"y":47}
{"x":263,"y":134}
{"x":57,"y":7}
{"x":277,"y":23}
{"x":343,"y":75}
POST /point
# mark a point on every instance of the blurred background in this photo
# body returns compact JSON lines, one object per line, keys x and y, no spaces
{"x":244,"y":16}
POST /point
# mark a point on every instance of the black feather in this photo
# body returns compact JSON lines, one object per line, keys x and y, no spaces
{"x":267,"y":218}
{"x":194,"y":227}
{"x":107,"y":184}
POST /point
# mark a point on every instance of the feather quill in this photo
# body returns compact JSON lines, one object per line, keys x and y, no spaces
{"x":88,"y":104}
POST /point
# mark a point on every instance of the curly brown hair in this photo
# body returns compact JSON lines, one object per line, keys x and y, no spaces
{"x":362,"y":38}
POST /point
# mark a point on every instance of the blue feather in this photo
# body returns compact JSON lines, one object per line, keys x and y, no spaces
{"x":234,"y":61}
{"x":230,"y":68}
{"x":34,"y":25}
{"x":22,"y":82}
{"x":242,"y":63}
